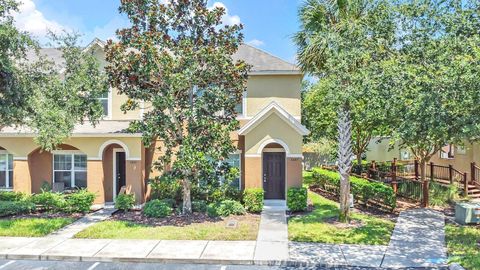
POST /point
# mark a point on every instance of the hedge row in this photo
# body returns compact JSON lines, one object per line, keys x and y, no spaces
{"x":13,"y":203}
{"x":362,"y":189}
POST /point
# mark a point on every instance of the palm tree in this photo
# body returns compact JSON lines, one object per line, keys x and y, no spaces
{"x":327,"y":30}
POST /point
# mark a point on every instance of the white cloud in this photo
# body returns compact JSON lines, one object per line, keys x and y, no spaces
{"x":255,"y":43}
{"x":227,"y":19}
{"x":30,"y":19}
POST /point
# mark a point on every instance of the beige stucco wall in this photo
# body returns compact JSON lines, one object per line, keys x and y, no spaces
{"x":23,"y":146}
{"x":379,"y":151}
{"x":116,"y":99}
{"x":460,"y":161}
{"x":284,"y":89}
{"x":273,"y":127}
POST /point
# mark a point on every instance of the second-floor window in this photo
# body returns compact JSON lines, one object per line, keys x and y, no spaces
{"x":103,"y":99}
{"x":240,"y":107}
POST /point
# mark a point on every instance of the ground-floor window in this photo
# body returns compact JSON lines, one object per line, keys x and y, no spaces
{"x":70,"y":169}
{"x":235,"y":162}
{"x":6,"y":170}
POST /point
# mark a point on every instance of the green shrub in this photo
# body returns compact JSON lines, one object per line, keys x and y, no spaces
{"x":12,"y":196}
{"x":253,"y":199}
{"x":297,"y":199}
{"x":8,"y":208}
{"x":225,"y":208}
{"x":362,"y":189}
{"x":157,"y":209}
{"x":166,"y":187}
{"x":50,"y":201}
{"x":170,"y":202}
{"x":440,"y":195}
{"x":125,"y":202}
{"x":80,"y":201}
{"x":199,"y":206}
{"x":46,"y":186}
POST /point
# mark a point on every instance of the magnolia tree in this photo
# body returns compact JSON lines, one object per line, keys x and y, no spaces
{"x":176,"y":60}
{"x":41,"y":95}
{"x":343,"y":43}
{"x":435,"y":78}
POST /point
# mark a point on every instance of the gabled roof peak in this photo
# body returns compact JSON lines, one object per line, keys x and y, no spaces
{"x":274,"y":107}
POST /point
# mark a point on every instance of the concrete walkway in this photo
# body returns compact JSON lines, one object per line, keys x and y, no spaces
{"x":272,"y":238}
{"x":418,"y":240}
{"x":337,"y":255}
{"x":83,"y":223}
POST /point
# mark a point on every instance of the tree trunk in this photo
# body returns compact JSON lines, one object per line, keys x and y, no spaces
{"x":187,"y":200}
{"x":425,"y":182}
{"x":359,"y":163}
{"x":344,"y":161}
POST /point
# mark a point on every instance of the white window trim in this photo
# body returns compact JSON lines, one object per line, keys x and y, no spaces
{"x":72,"y":170}
{"x":7,"y":171}
{"x":244,"y":104}
{"x":109,"y":105}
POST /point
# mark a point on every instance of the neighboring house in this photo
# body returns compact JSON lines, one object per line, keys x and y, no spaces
{"x":106,"y":157}
{"x":459,"y":156}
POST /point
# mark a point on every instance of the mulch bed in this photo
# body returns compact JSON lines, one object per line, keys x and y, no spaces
{"x":45,"y":215}
{"x":173,"y":220}
{"x":361,"y":208}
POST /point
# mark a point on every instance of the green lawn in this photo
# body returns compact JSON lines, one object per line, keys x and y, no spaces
{"x":247,"y":230}
{"x":462,"y":245}
{"x":314,"y":228}
{"x":32,"y":227}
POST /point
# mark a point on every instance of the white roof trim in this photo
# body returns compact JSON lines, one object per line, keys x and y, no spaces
{"x":274,"y":107}
{"x":95,"y":41}
{"x":95,"y":135}
{"x":275,"y":72}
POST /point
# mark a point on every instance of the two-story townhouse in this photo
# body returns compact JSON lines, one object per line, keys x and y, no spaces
{"x":106,"y":157}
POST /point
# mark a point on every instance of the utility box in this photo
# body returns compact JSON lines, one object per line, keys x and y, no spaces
{"x":467,"y":213}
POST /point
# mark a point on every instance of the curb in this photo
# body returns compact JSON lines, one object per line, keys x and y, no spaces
{"x":284,"y":263}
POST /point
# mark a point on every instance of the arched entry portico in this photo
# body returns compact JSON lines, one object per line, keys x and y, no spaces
{"x":114,"y":156}
{"x":274,"y":169}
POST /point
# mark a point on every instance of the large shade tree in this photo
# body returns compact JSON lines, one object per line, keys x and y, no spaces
{"x":436,"y":77}
{"x":368,"y":113}
{"x":40,"y":95}
{"x":177,"y":59}
{"x":343,"y":41}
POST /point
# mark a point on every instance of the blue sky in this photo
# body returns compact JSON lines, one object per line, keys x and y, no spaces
{"x":269,"y":24}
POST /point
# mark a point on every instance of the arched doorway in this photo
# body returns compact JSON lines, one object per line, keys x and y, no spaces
{"x":274,"y":171}
{"x":114,"y":156}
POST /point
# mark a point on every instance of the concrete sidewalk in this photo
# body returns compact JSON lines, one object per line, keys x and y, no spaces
{"x":418,"y":240}
{"x":225,"y":252}
{"x":173,"y":251}
{"x":272,"y":239}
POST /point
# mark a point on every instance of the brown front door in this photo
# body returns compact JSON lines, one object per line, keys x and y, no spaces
{"x":120,"y":170}
{"x":274,"y":175}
